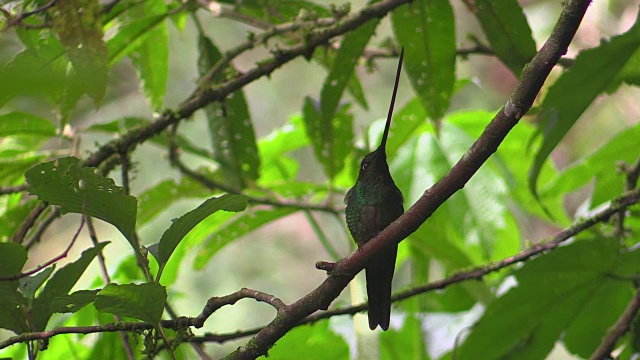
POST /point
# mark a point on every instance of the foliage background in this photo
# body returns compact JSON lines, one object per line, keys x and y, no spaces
{"x":278,"y":258}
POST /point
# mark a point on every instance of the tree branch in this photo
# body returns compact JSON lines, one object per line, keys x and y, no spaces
{"x":620,"y":328}
{"x":49,"y":262}
{"x":215,"y":303}
{"x":175,"y":161}
{"x":13,"y":189}
{"x":533,"y":77}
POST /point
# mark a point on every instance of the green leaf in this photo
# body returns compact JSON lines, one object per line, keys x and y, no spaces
{"x":60,"y":284}
{"x":240,"y":225}
{"x":276,"y":166}
{"x":556,"y":292}
{"x":79,"y":27}
{"x":77,"y":189}
{"x":343,"y":69}
{"x":593,"y":70}
{"x":73,"y":302}
{"x":427,"y":30}
{"x":511,"y":161}
{"x":130,"y":36}
{"x":310,"y":342}
{"x":32,"y":73}
{"x":406,"y":343}
{"x":158,"y":198}
{"x":230,"y":126}
{"x":601,"y":165}
{"x":12,"y":304}
{"x":180,"y":227}
{"x":144,"y":302}
{"x":331,"y":140}
{"x":277,"y":12}
{"x":478,"y":211}
{"x":406,"y":122}
{"x":325,"y":57}
{"x":151,"y":56}
{"x":507,"y":30}
{"x":13,"y":166}
{"x":12,"y":258}
{"x":629,"y":74}
{"x":16,"y":123}
{"x":30,"y":284}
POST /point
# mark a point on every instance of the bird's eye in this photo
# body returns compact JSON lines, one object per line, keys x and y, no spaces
{"x":364,"y":166}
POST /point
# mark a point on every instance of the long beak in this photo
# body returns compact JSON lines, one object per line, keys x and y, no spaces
{"x":383,"y":143}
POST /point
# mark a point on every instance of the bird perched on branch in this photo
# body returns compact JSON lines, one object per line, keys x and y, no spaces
{"x":373,"y":203}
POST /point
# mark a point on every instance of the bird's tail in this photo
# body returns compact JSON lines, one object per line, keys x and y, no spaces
{"x":379,"y":273}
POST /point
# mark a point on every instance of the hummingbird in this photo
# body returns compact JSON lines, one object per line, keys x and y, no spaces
{"x":373,"y":203}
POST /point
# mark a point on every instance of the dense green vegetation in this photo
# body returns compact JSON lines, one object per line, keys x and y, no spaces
{"x":163,"y":161}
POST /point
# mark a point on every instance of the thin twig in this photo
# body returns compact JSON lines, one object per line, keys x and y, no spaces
{"x":532,"y":78}
{"x":175,"y":161}
{"x":49,"y":262}
{"x":13,"y":189}
{"x":107,"y":279}
{"x":323,"y":238}
{"x":12,"y":21}
{"x":631,"y":181}
{"x":215,"y":303}
{"x":620,"y":328}
{"x":43,"y":225}
{"x":29,"y":221}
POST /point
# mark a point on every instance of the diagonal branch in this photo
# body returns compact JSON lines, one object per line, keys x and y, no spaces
{"x":215,"y":303}
{"x":620,"y":328}
{"x":533,"y":77}
{"x":201,"y":98}
{"x":106,"y":156}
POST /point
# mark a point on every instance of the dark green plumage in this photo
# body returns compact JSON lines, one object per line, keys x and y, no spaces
{"x":373,"y":203}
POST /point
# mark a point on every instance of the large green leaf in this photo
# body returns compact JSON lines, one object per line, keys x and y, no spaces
{"x":326,"y":57}
{"x":332,"y":140}
{"x":130,"y":36}
{"x":59,"y":285}
{"x":79,"y":27}
{"x":151,"y":56}
{"x":590,"y":75}
{"x":16,"y":123}
{"x":66,"y":183}
{"x":276,"y":165}
{"x":477,"y":213}
{"x":507,"y":30}
{"x":278,"y":11}
{"x":13,"y":166}
{"x":629,"y":74}
{"x":40,"y":69}
{"x":512,"y":160}
{"x":427,"y":30}
{"x":144,"y":302}
{"x":343,"y":68}
{"x":181,"y":226}
{"x":159,"y":197}
{"x":556,"y":292}
{"x":240,"y":225}
{"x":73,"y":302}
{"x":12,"y":312}
{"x":406,"y":122}
{"x":406,"y":343}
{"x":30,"y":284}
{"x":599,"y":165}
{"x":310,"y":342}
{"x":230,"y":126}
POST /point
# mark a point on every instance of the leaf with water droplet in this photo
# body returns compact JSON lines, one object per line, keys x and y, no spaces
{"x":431,"y":53}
